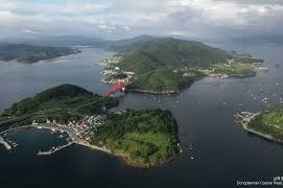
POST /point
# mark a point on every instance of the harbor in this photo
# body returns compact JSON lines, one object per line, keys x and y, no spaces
{"x":74,"y":132}
{"x":77,"y":132}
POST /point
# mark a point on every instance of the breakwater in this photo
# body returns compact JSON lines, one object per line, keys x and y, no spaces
{"x":244,"y":118}
{"x":6,"y":144}
{"x":54,"y":149}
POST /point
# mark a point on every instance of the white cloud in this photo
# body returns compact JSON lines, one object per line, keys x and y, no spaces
{"x":122,"y":17}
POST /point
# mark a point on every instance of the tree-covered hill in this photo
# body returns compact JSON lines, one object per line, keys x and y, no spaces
{"x":63,"y":103}
{"x":143,"y":138}
{"x":170,"y":52}
{"x":165,"y":65}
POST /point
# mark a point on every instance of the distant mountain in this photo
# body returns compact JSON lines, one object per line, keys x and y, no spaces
{"x":126,"y":44}
{"x":36,"y":49}
{"x":60,"y":41}
{"x":156,"y":52}
{"x":32,"y":54}
{"x":68,"y":41}
{"x":259,"y":40}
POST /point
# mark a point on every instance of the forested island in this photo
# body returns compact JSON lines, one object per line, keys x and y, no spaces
{"x":142,"y":138}
{"x":168,"y":65}
{"x":267,"y":124}
{"x":31,"y":54}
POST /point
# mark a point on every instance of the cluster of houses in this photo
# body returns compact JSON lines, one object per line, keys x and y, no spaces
{"x":112,"y":72}
{"x":77,"y":130}
{"x":112,"y":60}
{"x":87,"y":126}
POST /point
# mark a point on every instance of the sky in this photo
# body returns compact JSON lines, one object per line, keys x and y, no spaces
{"x":204,"y":19}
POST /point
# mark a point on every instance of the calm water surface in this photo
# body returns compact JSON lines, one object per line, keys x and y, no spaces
{"x":222,"y":152}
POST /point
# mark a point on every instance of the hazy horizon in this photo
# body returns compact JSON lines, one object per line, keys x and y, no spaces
{"x":202,"y":19}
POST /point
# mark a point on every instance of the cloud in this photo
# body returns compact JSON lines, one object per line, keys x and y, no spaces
{"x":123,"y":18}
{"x":229,"y":19}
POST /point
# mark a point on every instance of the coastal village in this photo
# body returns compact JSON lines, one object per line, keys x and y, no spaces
{"x":78,"y":132}
{"x":112,"y":73}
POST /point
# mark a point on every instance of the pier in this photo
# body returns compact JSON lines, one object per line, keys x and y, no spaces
{"x":6,"y":144}
{"x":54,"y":149}
{"x":57,"y":128}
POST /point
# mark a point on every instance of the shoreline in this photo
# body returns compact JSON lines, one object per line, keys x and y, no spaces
{"x":44,"y":60}
{"x":244,"y":121}
{"x":187,"y":85}
{"x":95,"y":147}
{"x":153,"y":92}
{"x":122,"y":156}
{"x":125,"y":158}
{"x":262,"y":135}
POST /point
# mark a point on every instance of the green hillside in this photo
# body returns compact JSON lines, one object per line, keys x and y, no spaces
{"x":169,"y":64}
{"x":63,"y":103}
{"x":144,"y":138}
{"x":269,"y":122}
{"x":170,"y":52}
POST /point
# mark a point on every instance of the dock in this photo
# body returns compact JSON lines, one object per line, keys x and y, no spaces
{"x":54,"y":149}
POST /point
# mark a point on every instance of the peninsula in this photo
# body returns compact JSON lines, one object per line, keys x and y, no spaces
{"x":267,"y":124}
{"x":168,"y":65}
{"x":143,"y":138}
{"x":31,"y":54}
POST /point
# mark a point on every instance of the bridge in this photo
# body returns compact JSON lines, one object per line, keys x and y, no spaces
{"x":119,"y":86}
